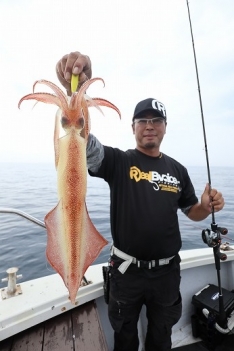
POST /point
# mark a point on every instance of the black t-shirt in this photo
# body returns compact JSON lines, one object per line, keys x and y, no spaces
{"x":146,"y":193}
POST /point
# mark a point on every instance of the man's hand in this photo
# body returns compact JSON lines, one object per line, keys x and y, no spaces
{"x":73,"y":63}
{"x":212,"y":199}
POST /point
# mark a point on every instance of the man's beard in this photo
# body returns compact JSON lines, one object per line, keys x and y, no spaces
{"x":150,"y":145}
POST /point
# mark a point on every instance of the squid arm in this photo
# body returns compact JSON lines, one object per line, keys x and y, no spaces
{"x":59,"y":93}
{"x":42,"y":97}
{"x":102,"y":102}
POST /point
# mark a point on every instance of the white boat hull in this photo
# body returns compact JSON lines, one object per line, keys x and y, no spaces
{"x":47,"y":297}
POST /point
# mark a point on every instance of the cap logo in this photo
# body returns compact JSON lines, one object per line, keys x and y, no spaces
{"x":159,"y":106}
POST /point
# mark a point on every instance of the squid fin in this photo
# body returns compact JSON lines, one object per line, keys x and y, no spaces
{"x":71,"y":256}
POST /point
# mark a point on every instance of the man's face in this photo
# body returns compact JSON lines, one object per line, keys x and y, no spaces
{"x":149,"y":131}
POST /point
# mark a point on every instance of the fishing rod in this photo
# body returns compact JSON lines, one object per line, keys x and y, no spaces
{"x":211,"y":237}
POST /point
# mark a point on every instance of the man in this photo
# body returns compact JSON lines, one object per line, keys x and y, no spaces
{"x":147,"y":188}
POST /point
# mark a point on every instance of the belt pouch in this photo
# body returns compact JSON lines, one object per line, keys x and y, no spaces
{"x":106,"y":282}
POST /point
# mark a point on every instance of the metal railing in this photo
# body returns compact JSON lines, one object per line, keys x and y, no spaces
{"x":22,"y":214}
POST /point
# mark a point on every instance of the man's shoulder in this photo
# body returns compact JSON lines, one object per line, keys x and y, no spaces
{"x":173,"y":161}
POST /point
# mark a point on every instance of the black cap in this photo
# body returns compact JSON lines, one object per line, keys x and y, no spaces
{"x":151,"y":105}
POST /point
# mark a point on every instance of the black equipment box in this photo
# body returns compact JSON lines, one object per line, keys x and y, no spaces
{"x":208,"y":298}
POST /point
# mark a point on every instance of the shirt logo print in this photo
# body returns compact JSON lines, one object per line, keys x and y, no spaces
{"x":163,"y":182}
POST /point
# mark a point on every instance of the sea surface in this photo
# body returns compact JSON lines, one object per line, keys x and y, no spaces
{"x":32,"y":188}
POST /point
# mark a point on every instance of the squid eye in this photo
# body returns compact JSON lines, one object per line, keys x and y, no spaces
{"x":80,"y":123}
{"x":65,"y":122}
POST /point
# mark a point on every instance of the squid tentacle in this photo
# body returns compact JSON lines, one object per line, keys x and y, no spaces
{"x":56,"y":90}
{"x":104,"y":103}
{"x":77,"y":97}
{"x":42,"y":97}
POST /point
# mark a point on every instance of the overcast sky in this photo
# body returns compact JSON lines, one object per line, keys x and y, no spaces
{"x":141,"y":49}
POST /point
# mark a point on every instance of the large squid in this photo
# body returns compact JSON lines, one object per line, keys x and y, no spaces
{"x":73,"y":242}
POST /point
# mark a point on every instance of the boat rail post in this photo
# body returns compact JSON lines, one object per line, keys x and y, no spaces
{"x":12,"y":289}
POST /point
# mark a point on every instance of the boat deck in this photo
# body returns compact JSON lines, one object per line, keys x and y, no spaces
{"x":77,"y":329}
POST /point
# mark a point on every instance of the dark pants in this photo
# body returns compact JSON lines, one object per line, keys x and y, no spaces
{"x":158,"y":290}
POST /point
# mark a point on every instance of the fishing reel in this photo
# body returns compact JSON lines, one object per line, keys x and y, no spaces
{"x":212,"y":237}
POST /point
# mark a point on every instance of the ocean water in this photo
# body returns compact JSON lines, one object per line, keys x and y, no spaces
{"x":32,"y":188}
